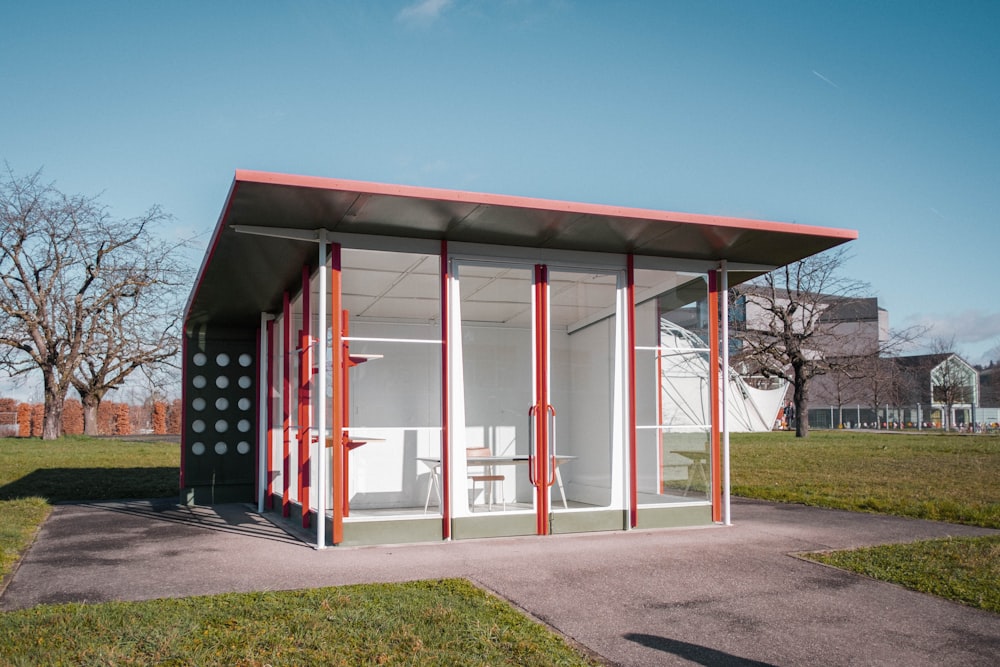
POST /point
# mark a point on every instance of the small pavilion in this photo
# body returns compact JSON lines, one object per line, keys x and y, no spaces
{"x":384,"y":364}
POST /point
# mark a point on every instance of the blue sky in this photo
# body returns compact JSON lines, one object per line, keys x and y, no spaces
{"x":880,"y":116}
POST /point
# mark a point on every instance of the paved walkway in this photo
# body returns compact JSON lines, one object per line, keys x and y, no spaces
{"x":707,"y":596}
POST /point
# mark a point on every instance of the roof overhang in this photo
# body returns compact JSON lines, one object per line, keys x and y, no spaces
{"x":244,"y":275}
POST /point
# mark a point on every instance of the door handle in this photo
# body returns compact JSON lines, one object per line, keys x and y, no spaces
{"x":531,"y":445}
{"x":551,"y":412}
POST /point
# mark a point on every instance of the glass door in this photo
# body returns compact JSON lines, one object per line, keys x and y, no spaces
{"x":539,"y":362}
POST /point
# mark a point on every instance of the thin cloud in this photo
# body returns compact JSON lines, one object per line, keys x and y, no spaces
{"x":423,"y":11}
{"x":969,"y":326}
{"x":823,"y":78}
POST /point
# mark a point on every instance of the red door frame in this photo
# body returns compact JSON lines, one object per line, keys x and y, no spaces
{"x":540,"y":468}
{"x":445,"y":485}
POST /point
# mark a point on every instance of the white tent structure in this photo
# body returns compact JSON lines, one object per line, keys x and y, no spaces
{"x":684,"y":391}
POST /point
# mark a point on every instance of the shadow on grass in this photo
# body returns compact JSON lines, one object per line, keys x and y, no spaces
{"x":68,"y":484}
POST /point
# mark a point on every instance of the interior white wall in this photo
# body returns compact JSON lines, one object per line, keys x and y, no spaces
{"x":395,"y":401}
{"x":583,"y":376}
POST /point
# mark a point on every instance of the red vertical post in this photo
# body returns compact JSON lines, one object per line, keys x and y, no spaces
{"x":445,"y":400}
{"x":286,"y":404}
{"x":345,"y":402}
{"x":338,"y":480}
{"x":305,"y":396}
{"x":633,"y":432}
{"x":715,"y":456}
{"x":541,"y":410}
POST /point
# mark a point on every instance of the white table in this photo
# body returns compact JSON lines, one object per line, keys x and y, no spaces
{"x":515,"y":459}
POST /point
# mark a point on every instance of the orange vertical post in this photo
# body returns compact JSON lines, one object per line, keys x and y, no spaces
{"x":337,"y":363}
{"x":345,"y":402}
{"x":542,"y":406}
{"x":715,"y":392}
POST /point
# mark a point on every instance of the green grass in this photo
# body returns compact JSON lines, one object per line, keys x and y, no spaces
{"x":35,"y":473}
{"x":942,"y":477}
{"x":448,"y":622}
{"x":82,"y":468}
{"x":946,"y":477}
{"x":422,"y":623}
{"x":953,"y":478}
{"x":962,"y":569}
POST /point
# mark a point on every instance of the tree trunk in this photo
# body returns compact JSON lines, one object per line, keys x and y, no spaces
{"x":800,"y":397}
{"x":52,"y":419}
{"x":91,"y":404}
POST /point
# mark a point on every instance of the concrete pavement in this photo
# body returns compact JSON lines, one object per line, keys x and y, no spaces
{"x":705,"y":596}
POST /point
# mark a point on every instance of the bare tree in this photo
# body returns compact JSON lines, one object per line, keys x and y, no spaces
{"x":880,"y":378}
{"x":791,"y":331}
{"x":124,"y":341}
{"x":138,"y":330}
{"x":64,"y":261}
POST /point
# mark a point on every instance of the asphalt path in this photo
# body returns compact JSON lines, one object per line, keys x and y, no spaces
{"x":735,"y":595}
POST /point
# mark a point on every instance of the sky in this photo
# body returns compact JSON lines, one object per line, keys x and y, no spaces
{"x":881,"y":116}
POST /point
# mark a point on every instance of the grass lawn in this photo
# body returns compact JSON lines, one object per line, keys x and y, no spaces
{"x":422,"y":623}
{"x":945,"y":477}
{"x":448,"y":622}
{"x":964,"y":569}
{"x":953,"y":478}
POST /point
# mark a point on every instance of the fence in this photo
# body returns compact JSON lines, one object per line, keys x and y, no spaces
{"x":905,"y":417}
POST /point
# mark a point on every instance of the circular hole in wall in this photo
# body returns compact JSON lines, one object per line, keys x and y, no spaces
{"x":245,"y":381}
{"x":222,"y":382}
{"x":199,"y":359}
{"x":221,"y":403}
{"x":243,"y":425}
{"x":221,"y":448}
{"x":244,"y":404}
{"x":222,"y":426}
{"x":245,"y":360}
{"x":198,"y":404}
{"x":243,"y":447}
{"x":222,"y":359}
{"x":198,"y":426}
{"x":199,"y":381}
{"x":198,"y":448}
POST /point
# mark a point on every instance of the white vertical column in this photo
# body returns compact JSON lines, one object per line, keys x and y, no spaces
{"x":724,"y":387}
{"x":321,"y":344}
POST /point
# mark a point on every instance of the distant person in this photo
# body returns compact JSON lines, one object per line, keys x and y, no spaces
{"x":789,"y":414}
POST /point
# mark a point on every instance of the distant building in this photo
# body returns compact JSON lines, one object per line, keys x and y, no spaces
{"x":940,"y":390}
{"x":989,"y":385}
{"x":857,"y":325}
